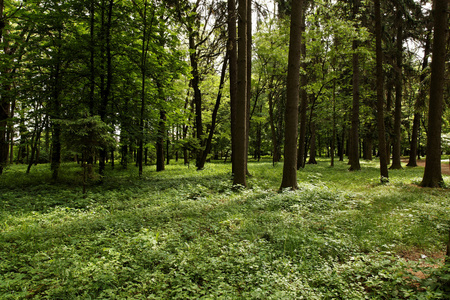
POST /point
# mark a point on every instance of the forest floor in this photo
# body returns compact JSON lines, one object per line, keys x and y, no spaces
{"x":187,"y":234}
{"x":445,"y":166}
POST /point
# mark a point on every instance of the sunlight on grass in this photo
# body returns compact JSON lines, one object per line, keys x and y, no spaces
{"x":186,"y":234}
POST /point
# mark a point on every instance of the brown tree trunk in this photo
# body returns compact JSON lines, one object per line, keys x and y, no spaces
{"x":240,"y":159}
{"x":420,"y":103}
{"x":354,"y":135}
{"x":388,"y":121}
{"x":312,"y":147}
{"x":396,"y":152}
{"x":275,"y":154}
{"x":333,"y":135}
{"x":160,"y":141}
{"x":380,"y":97}
{"x":432,"y":176}
{"x":106,"y":88}
{"x":5,"y":103}
{"x":291,"y":113}
{"x":214,"y":115}
{"x":232,"y":48}
{"x":144,"y":49}
{"x":249,"y":74}
{"x":303,"y":100}
{"x":195,"y":83}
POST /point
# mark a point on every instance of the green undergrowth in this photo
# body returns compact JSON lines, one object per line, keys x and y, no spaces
{"x":182,"y":234}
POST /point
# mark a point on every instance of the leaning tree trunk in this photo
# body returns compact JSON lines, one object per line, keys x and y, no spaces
{"x":291,"y":113}
{"x":380,"y":97}
{"x":214,"y":115}
{"x":432,"y":176}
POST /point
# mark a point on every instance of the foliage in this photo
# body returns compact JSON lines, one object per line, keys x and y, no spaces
{"x":186,"y":234}
{"x":87,"y":135}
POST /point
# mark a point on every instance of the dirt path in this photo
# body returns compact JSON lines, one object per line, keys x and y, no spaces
{"x":445,"y":167}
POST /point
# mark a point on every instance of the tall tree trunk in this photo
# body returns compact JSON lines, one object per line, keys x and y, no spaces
{"x":144,"y":50}
{"x":291,"y":113}
{"x":354,"y":134}
{"x":195,"y":83}
{"x":214,"y":115}
{"x":249,"y":74}
{"x":5,"y":103}
{"x":275,"y":154}
{"x":432,"y":176}
{"x":301,"y":157}
{"x":396,"y":152}
{"x":91,"y":59}
{"x":106,"y":89}
{"x":160,"y":141}
{"x":312,"y":149}
{"x":388,"y":120}
{"x":240,"y":159}
{"x":34,"y":146}
{"x":11,"y":133}
{"x":333,"y":135}
{"x":380,"y":97}
{"x":232,"y":48}
{"x":420,"y":103}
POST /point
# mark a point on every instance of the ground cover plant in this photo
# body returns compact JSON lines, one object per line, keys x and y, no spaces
{"x":182,"y":234}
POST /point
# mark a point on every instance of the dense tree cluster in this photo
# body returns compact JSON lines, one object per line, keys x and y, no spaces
{"x":140,"y":82}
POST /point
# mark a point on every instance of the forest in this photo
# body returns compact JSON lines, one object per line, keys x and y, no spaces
{"x":178,"y":149}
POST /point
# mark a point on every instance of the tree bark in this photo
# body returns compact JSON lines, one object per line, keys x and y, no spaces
{"x":303,"y":99}
{"x":160,"y":141}
{"x":432,"y":176}
{"x":333,"y":135}
{"x":144,"y":50}
{"x":5,"y":104}
{"x":420,"y":103}
{"x":380,"y":96}
{"x":214,"y":115}
{"x":291,"y":113}
{"x":106,"y":89}
{"x":312,"y":146}
{"x":275,"y":154}
{"x":354,"y":134}
{"x":232,"y":48}
{"x":249,"y":74}
{"x":396,"y":152}
{"x":195,"y":83}
{"x":240,"y":159}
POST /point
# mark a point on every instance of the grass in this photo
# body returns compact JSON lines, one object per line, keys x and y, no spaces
{"x":183,"y":234}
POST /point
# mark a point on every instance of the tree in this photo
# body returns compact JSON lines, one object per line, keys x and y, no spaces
{"x":432,"y":176}
{"x":232,"y":49}
{"x":240,"y":138}
{"x":301,"y":158}
{"x":380,"y":95}
{"x":419,"y":105}
{"x":396,"y":153}
{"x":291,"y":113}
{"x":354,"y":135}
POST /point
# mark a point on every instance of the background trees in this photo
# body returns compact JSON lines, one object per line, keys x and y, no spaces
{"x":155,"y":74}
